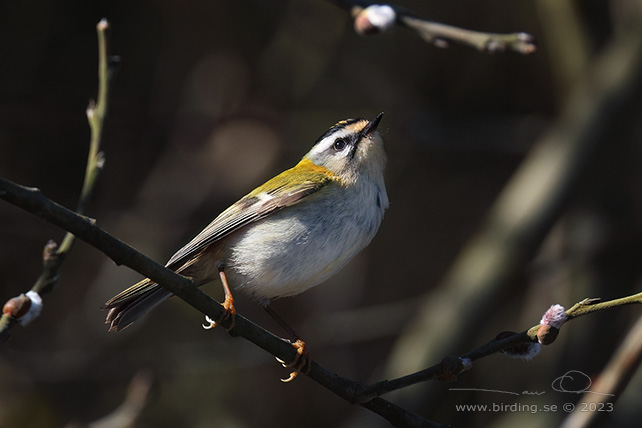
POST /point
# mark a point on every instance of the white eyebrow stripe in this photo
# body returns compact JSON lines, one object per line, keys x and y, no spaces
{"x":330,"y":139}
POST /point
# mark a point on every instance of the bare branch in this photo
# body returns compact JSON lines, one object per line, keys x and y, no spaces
{"x":450,"y":367}
{"x":440,"y":34}
{"x":84,"y":228}
{"x":527,"y":208}
{"x":371,"y":18}
{"x":366,"y":395}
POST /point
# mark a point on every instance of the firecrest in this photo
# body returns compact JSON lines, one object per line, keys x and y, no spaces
{"x":287,"y":235}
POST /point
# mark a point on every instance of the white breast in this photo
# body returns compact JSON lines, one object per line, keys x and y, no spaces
{"x":302,"y":245}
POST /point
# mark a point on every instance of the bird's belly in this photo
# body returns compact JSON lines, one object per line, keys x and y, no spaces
{"x":288,"y":252}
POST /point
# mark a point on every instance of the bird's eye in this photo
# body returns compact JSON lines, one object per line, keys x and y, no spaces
{"x":339,"y":144}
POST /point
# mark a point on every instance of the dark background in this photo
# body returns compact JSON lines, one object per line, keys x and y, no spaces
{"x":213,"y":98}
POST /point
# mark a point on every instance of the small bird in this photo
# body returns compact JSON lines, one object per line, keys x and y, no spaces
{"x":287,"y":235}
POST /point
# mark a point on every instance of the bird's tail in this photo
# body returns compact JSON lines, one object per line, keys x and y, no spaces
{"x":131,"y":304}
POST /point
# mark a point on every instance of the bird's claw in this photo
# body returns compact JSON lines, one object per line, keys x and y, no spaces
{"x":300,"y":363}
{"x":226,"y":320}
{"x":210,"y":323}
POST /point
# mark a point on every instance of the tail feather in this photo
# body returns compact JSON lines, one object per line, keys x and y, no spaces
{"x":131,"y":304}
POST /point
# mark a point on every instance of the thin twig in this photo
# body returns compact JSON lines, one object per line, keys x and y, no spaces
{"x":450,"y":367}
{"x":54,"y":255}
{"x":525,"y":211}
{"x":588,"y":306}
{"x":439,"y":34}
{"x":367,"y":21}
{"x":84,"y":228}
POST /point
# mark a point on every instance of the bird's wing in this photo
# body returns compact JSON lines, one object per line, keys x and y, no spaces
{"x":258,"y":204}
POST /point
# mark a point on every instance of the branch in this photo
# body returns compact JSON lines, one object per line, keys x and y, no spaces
{"x":512,"y":343}
{"x":372,"y":18}
{"x":33,"y":201}
{"x":24,"y":308}
{"x":603,"y":100}
{"x":440,"y":34}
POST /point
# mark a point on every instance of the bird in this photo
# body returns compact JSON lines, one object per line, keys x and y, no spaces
{"x":289,"y":234}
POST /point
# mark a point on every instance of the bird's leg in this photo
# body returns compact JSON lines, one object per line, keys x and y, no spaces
{"x":227,"y":319}
{"x":301,"y":362}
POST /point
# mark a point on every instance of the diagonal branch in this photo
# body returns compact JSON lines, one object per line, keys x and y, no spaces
{"x":33,"y":201}
{"x":367,"y":396}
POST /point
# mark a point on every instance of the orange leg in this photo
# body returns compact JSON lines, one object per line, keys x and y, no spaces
{"x":301,"y":362}
{"x":227,"y":320}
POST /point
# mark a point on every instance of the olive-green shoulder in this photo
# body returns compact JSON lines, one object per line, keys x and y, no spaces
{"x":304,"y":175}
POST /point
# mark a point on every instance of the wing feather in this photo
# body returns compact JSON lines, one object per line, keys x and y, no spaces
{"x":258,"y":204}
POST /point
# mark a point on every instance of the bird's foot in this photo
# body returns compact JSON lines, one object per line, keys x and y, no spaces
{"x":300,"y":363}
{"x":227,"y":319}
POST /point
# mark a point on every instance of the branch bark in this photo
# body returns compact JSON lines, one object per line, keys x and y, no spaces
{"x":367,"y":396}
{"x":451,"y":366}
{"x":33,"y":201}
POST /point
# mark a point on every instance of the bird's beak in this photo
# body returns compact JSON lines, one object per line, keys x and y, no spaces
{"x":372,"y":125}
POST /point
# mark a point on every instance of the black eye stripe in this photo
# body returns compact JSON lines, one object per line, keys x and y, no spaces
{"x":339,"y":126}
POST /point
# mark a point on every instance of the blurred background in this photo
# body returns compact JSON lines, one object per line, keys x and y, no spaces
{"x":213,"y":98}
